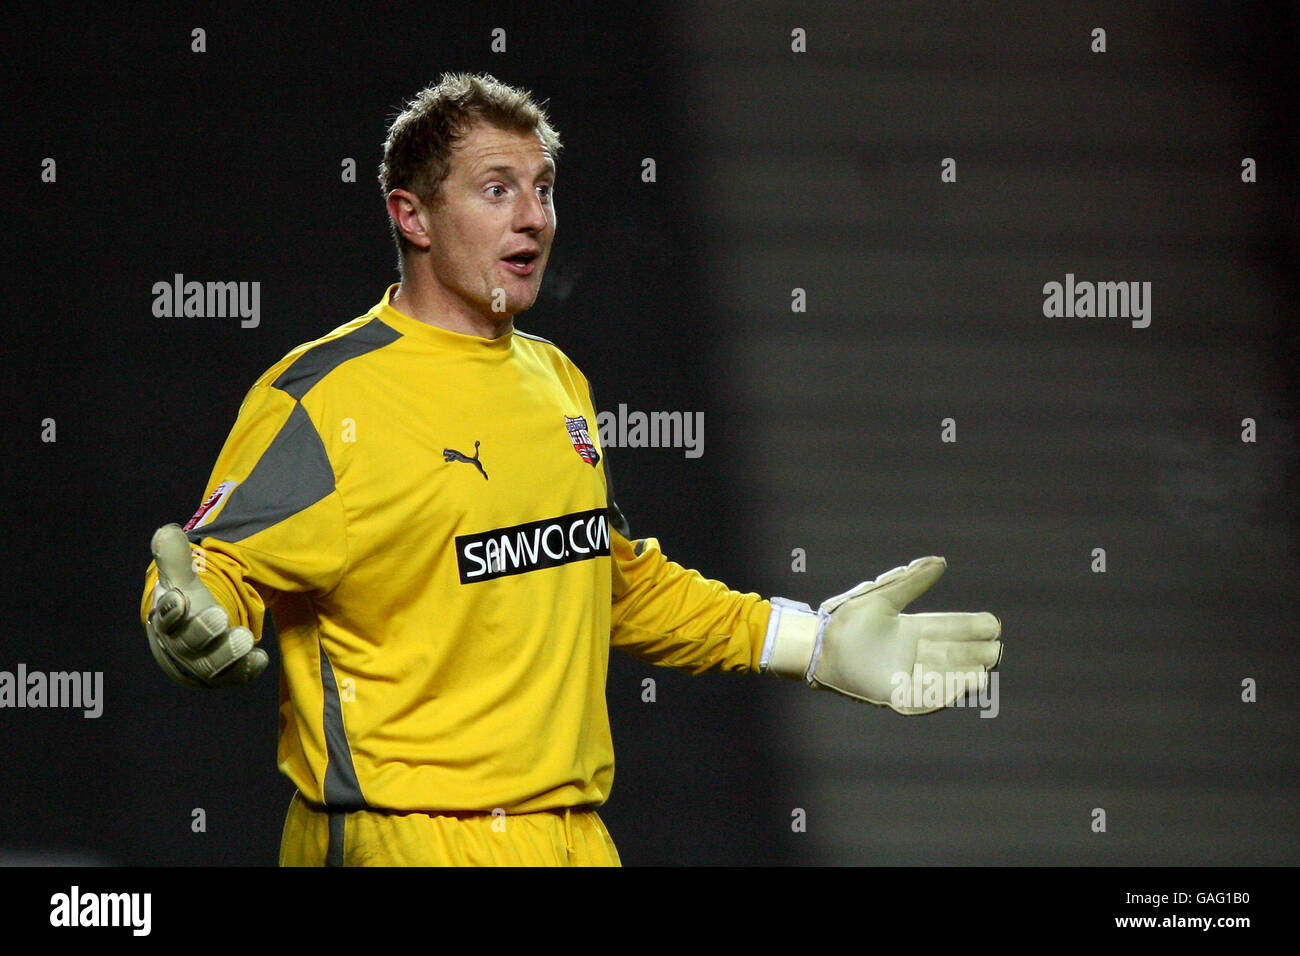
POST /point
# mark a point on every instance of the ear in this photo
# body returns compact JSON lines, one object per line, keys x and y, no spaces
{"x":406,"y":210}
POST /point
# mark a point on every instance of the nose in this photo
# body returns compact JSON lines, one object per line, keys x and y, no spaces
{"x":530,"y":214}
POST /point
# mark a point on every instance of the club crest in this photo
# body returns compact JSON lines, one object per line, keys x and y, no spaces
{"x":581,"y":439}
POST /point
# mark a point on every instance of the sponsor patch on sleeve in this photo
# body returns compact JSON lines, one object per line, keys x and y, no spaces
{"x":208,"y":510}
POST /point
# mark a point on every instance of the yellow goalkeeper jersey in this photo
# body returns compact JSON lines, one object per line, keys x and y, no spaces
{"x":427,"y":515}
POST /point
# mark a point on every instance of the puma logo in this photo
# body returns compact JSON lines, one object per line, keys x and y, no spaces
{"x":451,"y":454}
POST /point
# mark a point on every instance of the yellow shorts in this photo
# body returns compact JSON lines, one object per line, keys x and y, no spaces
{"x":314,"y":836}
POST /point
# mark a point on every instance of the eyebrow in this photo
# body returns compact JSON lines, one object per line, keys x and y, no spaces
{"x":548,"y":169}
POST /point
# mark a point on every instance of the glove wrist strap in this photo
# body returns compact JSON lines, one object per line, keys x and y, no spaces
{"x":792,"y":637}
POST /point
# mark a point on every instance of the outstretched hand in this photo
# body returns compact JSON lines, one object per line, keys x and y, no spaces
{"x":189,"y":632}
{"x":860,"y":644}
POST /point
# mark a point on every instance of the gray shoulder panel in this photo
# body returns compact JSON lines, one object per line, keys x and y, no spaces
{"x":293,"y":474}
{"x":314,"y":364}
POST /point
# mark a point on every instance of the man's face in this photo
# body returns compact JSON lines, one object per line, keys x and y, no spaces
{"x":493,"y":221}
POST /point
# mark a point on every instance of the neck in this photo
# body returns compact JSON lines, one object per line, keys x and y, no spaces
{"x":428,"y":302}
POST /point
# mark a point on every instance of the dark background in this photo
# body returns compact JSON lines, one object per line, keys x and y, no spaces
{"x":775,"y":170}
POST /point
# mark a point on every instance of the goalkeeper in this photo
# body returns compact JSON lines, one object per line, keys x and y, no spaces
{"x":420,"y":500}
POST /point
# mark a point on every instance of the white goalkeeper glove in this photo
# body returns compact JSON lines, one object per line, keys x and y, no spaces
{"x":189,"y":632}
{"x":859,"y":644}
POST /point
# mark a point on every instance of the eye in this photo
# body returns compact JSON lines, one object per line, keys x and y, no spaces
{"x":546,"y":191}
{"x":496,"y":191}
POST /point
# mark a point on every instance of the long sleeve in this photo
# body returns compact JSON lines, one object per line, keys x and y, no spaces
{"x":674,"y":616}
{"x":271,"y":519}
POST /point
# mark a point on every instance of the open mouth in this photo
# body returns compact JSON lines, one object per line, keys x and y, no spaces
{"x":521,"y":263}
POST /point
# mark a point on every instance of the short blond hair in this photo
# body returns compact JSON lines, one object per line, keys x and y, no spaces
{"x":417,"y":152}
